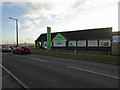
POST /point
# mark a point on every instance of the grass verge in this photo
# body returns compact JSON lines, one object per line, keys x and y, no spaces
{"x":103,"y":58}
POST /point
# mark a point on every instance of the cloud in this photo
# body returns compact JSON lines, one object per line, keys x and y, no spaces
{"x":20,"y":0}
{"x":38,"y":8}
{"x":38,"y":15}
{"x":42,"y":14}
{"x":80,"y":5}
{"x":27,"y":25}
{"x":67,"y":15}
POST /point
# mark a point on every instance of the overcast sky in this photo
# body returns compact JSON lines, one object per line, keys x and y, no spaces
{"x":61,"y":15}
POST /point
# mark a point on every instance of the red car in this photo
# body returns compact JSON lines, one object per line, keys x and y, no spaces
{"x":20,"y":50}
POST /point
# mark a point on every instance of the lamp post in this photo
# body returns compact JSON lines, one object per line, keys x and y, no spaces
{"x":16,"y":28}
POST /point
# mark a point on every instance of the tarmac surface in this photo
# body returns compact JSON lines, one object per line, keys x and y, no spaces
{"x":37,"y":71}
{"x":8,"y":81}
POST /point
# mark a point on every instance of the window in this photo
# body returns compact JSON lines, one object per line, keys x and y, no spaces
{"x":60,"y":43}
{"x":116,"y":38}
{"x":81,"y":43}
{"x":40,"y":43}
{"x":72,"y":43}
{"x":92,"y":43}
{"x":45,"y":44}
{"x":104,"y":43}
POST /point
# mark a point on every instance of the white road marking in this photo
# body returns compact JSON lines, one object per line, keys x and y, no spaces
{"x":39,"y":60}
{"x":94,"y":72}
{"x":20,"y":82}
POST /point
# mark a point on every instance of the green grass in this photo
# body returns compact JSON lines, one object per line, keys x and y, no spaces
{"x":104,"y":58}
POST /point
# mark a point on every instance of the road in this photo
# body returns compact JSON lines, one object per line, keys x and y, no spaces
{"x":9,"y":82}
{"x":37,"y":71}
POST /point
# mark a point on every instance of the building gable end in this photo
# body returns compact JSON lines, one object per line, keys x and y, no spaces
{"x":59,"y":37}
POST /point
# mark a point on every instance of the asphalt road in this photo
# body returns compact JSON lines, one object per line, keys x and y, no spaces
{"x":37,"y":71}
{"x":9,"y":82}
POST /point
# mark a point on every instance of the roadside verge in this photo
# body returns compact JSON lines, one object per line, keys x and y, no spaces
{"x":90,"y":57}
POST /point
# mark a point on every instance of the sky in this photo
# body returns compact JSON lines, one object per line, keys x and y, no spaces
{"x":61,"y":15}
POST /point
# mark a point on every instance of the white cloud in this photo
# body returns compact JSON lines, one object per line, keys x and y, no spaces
{"x":36,"y":10}
{"x":65,"y":15}
{"x":45,"y":13}
{"x":20,"y":0}
{"x":27,"y":25}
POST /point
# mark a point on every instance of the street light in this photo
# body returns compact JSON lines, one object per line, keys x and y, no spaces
{"x":16,"y":28}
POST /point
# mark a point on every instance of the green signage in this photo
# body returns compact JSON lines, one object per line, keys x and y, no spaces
{"x":59,"y":37}
{"x":49,"y":37}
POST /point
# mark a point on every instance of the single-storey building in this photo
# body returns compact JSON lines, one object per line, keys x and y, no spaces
{"x":98,"y":40}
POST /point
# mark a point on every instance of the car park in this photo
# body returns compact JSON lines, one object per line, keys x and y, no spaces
{"x":21,"y":50}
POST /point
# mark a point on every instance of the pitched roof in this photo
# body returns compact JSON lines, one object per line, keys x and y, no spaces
{"x":89,"y":34}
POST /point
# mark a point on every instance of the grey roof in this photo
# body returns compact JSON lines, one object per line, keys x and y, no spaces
{"x":89,"y":34}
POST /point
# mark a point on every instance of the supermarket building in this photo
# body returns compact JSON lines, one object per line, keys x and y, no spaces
{"x":98,"y":40}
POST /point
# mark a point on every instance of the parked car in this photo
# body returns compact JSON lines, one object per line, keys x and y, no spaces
{"x":21,"y":50}
{"x":6,"y":49}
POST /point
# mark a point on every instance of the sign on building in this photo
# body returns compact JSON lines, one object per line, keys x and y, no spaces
{"x":59,"y":40}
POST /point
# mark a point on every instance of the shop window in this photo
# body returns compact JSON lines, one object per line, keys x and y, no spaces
{"x":72,"y":43}
{"x":104,"y":43}
{"x":92,"y":43}
{"x":116,"y":38}
{"x":81,"y":43}
{"x":59,"y":43}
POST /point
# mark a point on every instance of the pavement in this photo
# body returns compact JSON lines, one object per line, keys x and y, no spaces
{"x":37,"y":71}
{"x":0,"y":78}
{"x":6,"y":80}
{"x":9,"y":82}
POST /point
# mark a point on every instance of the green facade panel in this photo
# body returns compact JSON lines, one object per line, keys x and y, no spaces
{"x":48,"y":37}
{"x":59,"y":37}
